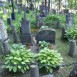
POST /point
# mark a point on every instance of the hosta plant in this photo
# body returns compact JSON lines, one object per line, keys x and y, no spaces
{"x":18,"y":60}
{"x":43,"y":44}
{"x":49,"y":59}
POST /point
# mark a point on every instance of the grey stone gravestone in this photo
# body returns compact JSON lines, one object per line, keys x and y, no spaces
{"x":31,"y":7}
{"x":69,"y":19}
{"x":39,"y":21}
{"x":9,"y":1}
{"x":3,"y":36}
{"x":72,"y":49}
{"x":27,"y":9}
{"x":25,"y":27}
{"x":43,"y":9}
{"x":66,"y":11}
{"x":25,"y":31}
{"x":2,"y":3}
{"x":47,"y":35}
{"x":19,"y":8}
{"x":5,"y":11}
{"x":15,"y":36}
{"x":34,"y":71}
{"x":53,"y":11}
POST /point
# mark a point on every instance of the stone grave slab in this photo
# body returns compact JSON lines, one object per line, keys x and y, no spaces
{"x":47,"y":35}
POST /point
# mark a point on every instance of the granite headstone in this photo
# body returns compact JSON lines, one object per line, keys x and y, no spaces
{"x":47,"y":35}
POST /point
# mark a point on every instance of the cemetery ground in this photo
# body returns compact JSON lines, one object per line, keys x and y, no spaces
{"x":61,"y":45}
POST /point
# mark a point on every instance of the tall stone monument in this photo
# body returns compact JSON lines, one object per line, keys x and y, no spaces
{"x":4,"y":37}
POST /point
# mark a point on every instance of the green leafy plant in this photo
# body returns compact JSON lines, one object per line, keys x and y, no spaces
{"x":49,"y":59}
{"x":33,"y":24}
{"x":71,"y":33}
{"x":43,"y":44}
{"x":18,"y":60}
{"x":51,"y":20}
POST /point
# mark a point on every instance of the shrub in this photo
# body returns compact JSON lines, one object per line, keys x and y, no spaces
{"x":18,"y":60}
{"x":51,"y":20}
{"x":49,"y":59}
{"x":43,"y":44}
{"x":71,"y":33}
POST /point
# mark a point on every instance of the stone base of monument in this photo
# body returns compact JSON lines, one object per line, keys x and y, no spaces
{"x":26,"y":39}
{"x":6,"y":48}
{"x":34,"y":71}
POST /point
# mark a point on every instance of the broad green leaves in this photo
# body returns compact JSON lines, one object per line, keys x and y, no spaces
{"x":19,"y":59}
{"x":49,"y":58}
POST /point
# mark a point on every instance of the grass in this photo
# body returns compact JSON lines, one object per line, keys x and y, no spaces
{"x":61,"y":46}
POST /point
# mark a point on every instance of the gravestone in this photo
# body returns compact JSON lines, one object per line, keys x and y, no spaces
{"x":9,"y":1}
{"x":25,"y":27}
{"x":25,"y":31}
{"x":72,"y":49}
{"x":2,"y":3}
{"x":31,"y":6}
{"x":15,"y":36}
{"x":3,"y":37}
{"x":27,"y":9}
{"x":39,"y":21}
{"x":69,"y":19}
{"x":43,"y":9}
{"x":19,"y":8}
{"x":66,"y":11}
{"x":47,"y":35}
{"x":5,"y":11}
{"x":34,"y":71}
{"x":53,"y":11}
